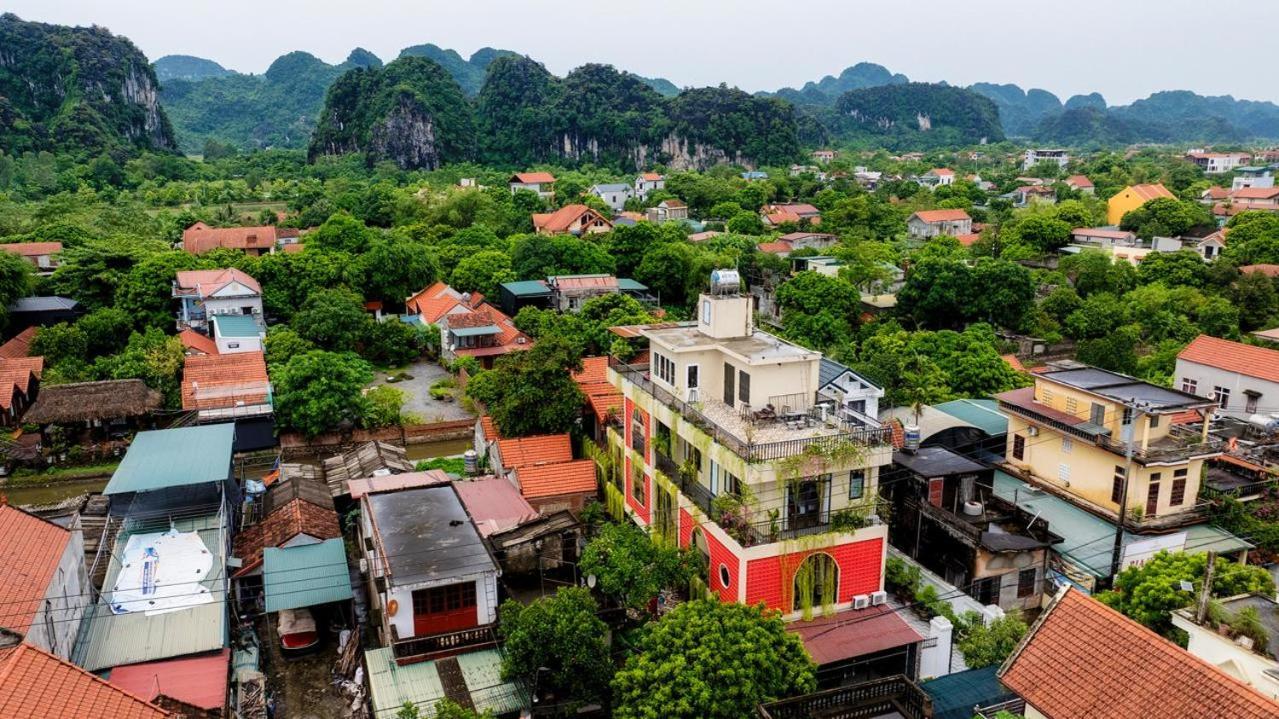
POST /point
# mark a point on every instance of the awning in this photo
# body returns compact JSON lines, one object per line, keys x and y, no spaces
{"x":306,"y":575}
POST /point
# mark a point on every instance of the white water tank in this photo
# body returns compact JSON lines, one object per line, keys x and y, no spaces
{"x":972,"y":509}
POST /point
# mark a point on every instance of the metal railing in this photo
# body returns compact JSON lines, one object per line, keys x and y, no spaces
{"x":751,"y":451}
{"x":415,"y":649}
{"x":878,"y":697}
{"x":1171,"y":448}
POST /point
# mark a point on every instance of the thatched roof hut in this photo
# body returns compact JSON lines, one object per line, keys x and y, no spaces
{"x":93,"y":401}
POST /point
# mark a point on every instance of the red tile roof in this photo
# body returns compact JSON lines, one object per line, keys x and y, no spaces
{"x":200,"y":681}
{"x":969,"y":239}
{"x":1230,"y":356}
{"x":37,"y":685}
{"x":1255,"y":193}
{"x":650,"y":177}
{"x":29,"y":557}
{"x":605,"y":404}
{"x":1150,"y":192}
{"x":20,"y":344}
{"x":489,"y":428}
{"x":435,"y":291}
{"x":206,"y":282}
{"x":23,"y":365}
{"x":552,"y":480}
{"x":277,"y":528}
{"x":594,"y":369}
{"x":1102,"y":232}
{"x":564,"y":218}
{"x":221,"y":381}
{"x":1078,"y":181}
{"x":931,"y":216}
{"x":200,"y":238}
{"x":1084,"y":659}
{"x":533,"y":178}
{"x":1014,"y":362}
{"x":32,"y":249}
{"x":197,"y":343}
{"x":854,"y":633}
{"x":529,"y":451}
{"x":393,"y":482}
{"x":775,"y":248}
{"x":1267,"y":270}
{"x":1216,"y":193}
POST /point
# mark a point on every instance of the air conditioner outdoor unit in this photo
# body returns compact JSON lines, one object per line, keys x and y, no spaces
{"x":861,"y":601}
{"x":1033,"y":431}
{"x":878,"y":598}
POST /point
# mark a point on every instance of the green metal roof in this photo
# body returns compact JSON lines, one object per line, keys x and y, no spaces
{"x":175,"y":458}
{"x":475,"y":331}
{"x":391,"y":685}
{"x":981,"y":413}
{"x":955,"y":695}
{"x":306,"y":575}
{"x":528,"y":288}
{"x":628,"y":285}
{"x":236,"y":326}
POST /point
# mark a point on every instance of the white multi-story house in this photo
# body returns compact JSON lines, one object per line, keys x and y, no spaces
{"x":648,"y":182}
{"x":614,"y":195}
{"x":1061,"y":158}
{"x":1243,"y":379}
{"x":1253,"y":177}
{"x":46,"y":586}
{"x":1215,"y":163}
{"x":204,"y":293}
{"x":757,"y":453}
{"x":542,"y":183}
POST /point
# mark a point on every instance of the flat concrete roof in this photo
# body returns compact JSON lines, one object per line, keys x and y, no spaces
{"x":426,"y":535}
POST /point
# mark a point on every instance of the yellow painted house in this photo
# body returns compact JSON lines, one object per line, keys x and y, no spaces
{"x":1069,"y":432}
{"x":1132,"y":197}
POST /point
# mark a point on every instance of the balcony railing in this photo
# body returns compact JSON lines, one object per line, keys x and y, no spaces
{"x":876,"y":698}
{"x":434,"y":646}
{"x":750,"y":451}
{"x":1175,"y":447}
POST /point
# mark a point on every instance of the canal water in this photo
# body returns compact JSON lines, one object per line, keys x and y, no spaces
{"x":58,"y":491}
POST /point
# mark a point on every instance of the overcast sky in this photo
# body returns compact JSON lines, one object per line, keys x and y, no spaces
{"x":1124,"y":49}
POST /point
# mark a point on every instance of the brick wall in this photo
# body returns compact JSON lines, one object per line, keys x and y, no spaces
{"x":859,"y":573}
{"x":721,"y":556}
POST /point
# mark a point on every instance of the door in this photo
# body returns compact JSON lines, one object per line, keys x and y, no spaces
{"x":439,"y":610}
{"x":1152,"y":499}
{"x":804,"y":502}
{"x":729,"y":388}
{"x":1098,"y":415}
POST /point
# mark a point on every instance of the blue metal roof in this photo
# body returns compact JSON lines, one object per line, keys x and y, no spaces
{"x":955,"y":695}
{"x":236,"y":326}
{"x":527,"y":288}
{"x":980,"y":413}
{"x":175,"y":458}
{"x":475,"y":331}
{"x":306,"y":575}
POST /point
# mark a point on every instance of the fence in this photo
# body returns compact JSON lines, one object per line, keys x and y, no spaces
{"x":295,"y":443}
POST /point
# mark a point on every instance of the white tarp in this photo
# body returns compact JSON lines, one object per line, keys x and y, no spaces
{"x":162,"y":573}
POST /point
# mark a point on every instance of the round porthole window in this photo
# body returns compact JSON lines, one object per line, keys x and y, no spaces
{"x":724,"y":579}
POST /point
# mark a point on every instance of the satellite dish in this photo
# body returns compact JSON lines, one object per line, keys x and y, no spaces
{"x":590,"y":581}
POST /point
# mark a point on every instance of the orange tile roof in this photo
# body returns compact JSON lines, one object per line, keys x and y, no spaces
{"x":533,"y":178}
{"x":220,"y":381}
{"x":29,"y":557}
{"x":563,"y":218}
{"x":1267,"y":270}
{"x":1084,"y":659}
{"x":530,"y":451}
{"x":1255,"y":193}
{"x":34,"y":365}
{"x":1230,"y":356}
{"x":32,"y":249}
{"x":931,"y":216}
{"x":1150,"y":192}
{"x":20,"y":344}
{"x":207,"y":282}
{"x":197,"y":343}
{"x":584,"y":282}
{"x":435,"y":309}
{"x":200,"y":238}
{"x":489,"y":428}
{"x":775,"y":248}
{"x":1014,"y":362}
{"x":651,"y":177}
{"x":551,"y":480}
{"x":594,"y":369}
{"x":277,"y":528}
{"x":1078,"y":181}
{"x":435,"y":291}
{"x":605,"y":404}
{"x":1217,"y":193}
{"x":37,"y":685}
{"x":969,"y":239}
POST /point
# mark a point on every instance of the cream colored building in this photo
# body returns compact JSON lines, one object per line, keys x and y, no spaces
{"x":1069,"y":434}
{"x":1252,"y":665}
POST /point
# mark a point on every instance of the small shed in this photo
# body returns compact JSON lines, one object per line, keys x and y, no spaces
{"x":42,"y":312}
{"x":305,"y":576}
{"x":515,"y":296}
{"x":367,"y":460}
{"x":175,"y":469}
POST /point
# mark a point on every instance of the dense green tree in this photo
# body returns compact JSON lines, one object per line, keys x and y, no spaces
{"x":532,"y":392}
{"x":146,"y":292}
{"x":1166,"y":217}
{"x":1003,"y":292}
{"x":1044,"y":233}
{"x":282,"y":343}
{"x":394,"y":269}
{"x":818,"y":311}
{"x":151,"y":356}
{"x":1257,"y":298}
{"x":1184,"y":267}
{"x":289,"y":279}
{"x":1150,"y":592}
{"x":937,"y":293}
{"x":631,"y":567}
{"x":482,"y":272}
{"x":667,"y":269}
{"x":984,"y":646}
{"x":317,"y":391}
{"x":333,"y":319}
{"x":342,"y":233}
{"x":393,"y":343}
{"x":711,"y":660}
{"x":558,"y":643}
{"x":16,"y":278}
{"x":540,"y":256}
{"x":106,"y":331}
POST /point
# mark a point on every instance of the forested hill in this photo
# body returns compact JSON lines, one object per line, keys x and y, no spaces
{"x":523,"y":115}
{"x":916,"y":115}
{"x":187,"y":67}
{"x":275,"y":109}
{"x":469,"y":74}
{"x":77,"y":90}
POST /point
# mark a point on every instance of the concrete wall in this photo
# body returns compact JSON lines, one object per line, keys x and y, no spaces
{"x":57,"y":621}
{"x":1221,"y":652}
{"x":1209,"y":377}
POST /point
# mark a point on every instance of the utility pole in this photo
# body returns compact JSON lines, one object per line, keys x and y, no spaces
{"x":1205,"y":592}
{"x":1129,"y":449}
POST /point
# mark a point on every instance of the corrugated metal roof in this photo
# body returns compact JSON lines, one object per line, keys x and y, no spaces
{"x":111,"y":640}
{"x":306,"y":575}
{"x":981,"y":413}
{"x":629,"y":285}
{"x":527,"y":288}
{"x":175,"y":458}
{"x":391,"y":685}
{"x":955,"y":695}
{"x":475,"y":331}
{"x":236,"y":326}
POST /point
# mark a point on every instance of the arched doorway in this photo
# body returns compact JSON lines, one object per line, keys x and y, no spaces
{"x":816,"y":582}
